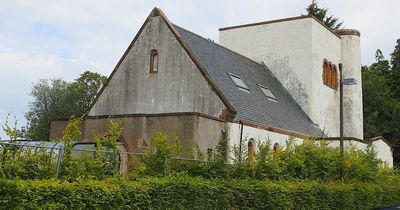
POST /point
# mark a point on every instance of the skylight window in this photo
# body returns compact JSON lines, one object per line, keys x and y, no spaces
{"x":238,"y":82}
{"x":268,"y":93}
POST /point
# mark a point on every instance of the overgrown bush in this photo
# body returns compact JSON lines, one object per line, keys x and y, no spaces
{"x":103,"y":163}
{"x":27,"y":163}
{"x":20,"y":160}
{"x":106,"y":157}
{"x":312,"y":160}
{"x":23,"y":162}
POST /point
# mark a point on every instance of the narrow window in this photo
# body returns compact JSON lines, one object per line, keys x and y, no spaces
{"x":325,"y":72}
{"x":267,"y":93}
{"x":153,"y":61}
{"x":276,"y":150}
{"x":238,"y":82}
{"x":142,"y":143}
{"x":250,"y":150}
{"x":329,"y":75}
{"x":335,"y":77}
{"x":330,"y":79}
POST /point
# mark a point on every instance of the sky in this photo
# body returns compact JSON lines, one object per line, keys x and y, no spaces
{"x":44,"y":39}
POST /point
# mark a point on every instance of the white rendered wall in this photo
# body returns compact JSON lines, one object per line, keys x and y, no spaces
{"x":261,"y":136}
{"x":352,"y":94}
{"x":384,"y":152}
{"x":325,"y":103}
{"x":294,"y":51}
{"x":285,"y":48}
{"x":382,"y":149}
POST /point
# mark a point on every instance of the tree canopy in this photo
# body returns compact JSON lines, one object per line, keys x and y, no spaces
{"x":322,"y":15}
{"x":381,"y":98}
{"x":56,"y":98}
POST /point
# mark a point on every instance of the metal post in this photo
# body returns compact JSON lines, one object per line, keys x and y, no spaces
{"x":240,"y":141}
{"x":60,"y":154}
{"x":341,"y":121}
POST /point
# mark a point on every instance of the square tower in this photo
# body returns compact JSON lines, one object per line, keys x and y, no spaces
{"x":304,"y":55}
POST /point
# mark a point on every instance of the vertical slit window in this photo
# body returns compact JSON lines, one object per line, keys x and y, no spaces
{"x":276,"y":150}
{"x":330,"y":81}
{"x":250,"y":150}
{"x":153,"y":62}
{"x":335,"y":77}
{"x":325,"y":72}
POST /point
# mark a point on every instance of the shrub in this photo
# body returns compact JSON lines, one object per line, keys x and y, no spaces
{"x":106,"y":156}
{"x":23,"y":162}
{"x":104,"y":162}
{"x":183,"y":192}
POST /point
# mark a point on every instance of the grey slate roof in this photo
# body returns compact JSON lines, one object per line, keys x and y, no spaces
{"x":253,"y":106}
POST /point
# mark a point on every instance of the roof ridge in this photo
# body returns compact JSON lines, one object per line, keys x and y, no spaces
{"x":217,"y":44}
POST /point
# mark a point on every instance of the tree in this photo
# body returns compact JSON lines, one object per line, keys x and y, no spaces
{"x":321,"y":14}
{"x":56,"y":99}
{"x":48,"y":103}
{"x":82,"y":92}
{"x":381,"y":99}
{"x":395,"y":70}
{"x":378,"y":103}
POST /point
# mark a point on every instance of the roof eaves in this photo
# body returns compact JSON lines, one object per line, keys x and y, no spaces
{"x":273,"y":129}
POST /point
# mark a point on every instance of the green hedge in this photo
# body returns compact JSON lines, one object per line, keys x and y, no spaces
{"x":193,"y":193}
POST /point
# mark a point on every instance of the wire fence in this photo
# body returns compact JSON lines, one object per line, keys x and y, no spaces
{"x":56,"y":151}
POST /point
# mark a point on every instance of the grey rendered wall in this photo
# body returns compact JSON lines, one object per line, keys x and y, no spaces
{"x":135,"y":128}
{"x":57,"y":129}
{"x":177,"y":87}
{"x":206,"y":132}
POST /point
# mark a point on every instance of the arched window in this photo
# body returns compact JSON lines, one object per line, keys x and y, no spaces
{"x":153,"y":61}
{"x":329,"y":74}
{"x":142,"y":143}
{"x":330,"y":79}
{"x":325,"y":71}
{"x":275,"y":150}
{"x":250,"y":150}
{"x":335,"y":77}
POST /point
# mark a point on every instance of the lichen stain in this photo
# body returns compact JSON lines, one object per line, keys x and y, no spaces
{"x":287,"y":76}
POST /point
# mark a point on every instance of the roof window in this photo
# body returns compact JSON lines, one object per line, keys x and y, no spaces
{"x":267,"y":93}
{"x":238,"y":82}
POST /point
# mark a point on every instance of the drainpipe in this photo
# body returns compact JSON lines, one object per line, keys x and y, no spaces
{"x":240,"y":141}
